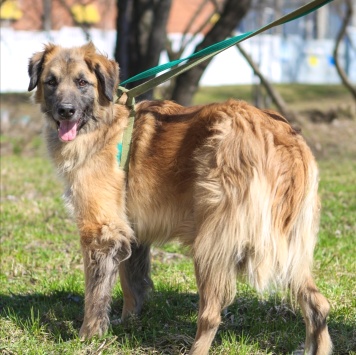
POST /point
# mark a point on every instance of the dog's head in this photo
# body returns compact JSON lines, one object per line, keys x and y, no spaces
{"x":74,"y":86}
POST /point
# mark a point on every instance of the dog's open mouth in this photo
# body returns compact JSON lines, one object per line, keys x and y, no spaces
{"x":68,"y":130}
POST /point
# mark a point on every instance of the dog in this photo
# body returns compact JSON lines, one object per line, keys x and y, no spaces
{"x":236,"y":184}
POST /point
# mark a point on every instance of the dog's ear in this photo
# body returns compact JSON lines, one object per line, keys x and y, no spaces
{"x":106,"y":70}
{"x":36,"y":64}
{"x":107,"y":73}
{"x":34,"y":69}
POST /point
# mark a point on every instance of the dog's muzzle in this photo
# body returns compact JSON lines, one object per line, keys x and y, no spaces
{"x":68,"y":122}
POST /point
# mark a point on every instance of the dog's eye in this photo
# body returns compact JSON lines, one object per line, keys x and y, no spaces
{"x":82,"y":83}
{"x":52,"y":82}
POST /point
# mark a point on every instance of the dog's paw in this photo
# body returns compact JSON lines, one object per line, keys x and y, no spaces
{"x":97,"y":327}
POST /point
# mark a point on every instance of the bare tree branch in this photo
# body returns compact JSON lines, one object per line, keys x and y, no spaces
{"x":81,"y":25}
{"x":345,"y":80}
{"x":192,"y":20}
{"x":275,"y":96}
{"x":184,"y":42}
{"x":166,"y":91}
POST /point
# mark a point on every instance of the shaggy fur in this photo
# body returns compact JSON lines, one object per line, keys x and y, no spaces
{"x":236,"y":184}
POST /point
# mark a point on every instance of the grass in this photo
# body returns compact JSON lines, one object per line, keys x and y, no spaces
{"x":42,"y":284}
{"x":293,"y":95}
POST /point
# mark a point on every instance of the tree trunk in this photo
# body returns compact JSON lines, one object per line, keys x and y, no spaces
{"x":47,"y":13}
{"x":141,"y":35}
{"x":187,"y":83}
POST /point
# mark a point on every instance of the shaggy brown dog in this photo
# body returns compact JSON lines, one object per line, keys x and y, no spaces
{"x":236,"y":184}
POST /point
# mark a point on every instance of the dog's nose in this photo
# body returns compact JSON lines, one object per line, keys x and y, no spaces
{"x":66,"y":110}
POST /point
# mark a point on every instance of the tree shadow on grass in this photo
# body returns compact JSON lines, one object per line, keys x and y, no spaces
{"x":167,"y":324}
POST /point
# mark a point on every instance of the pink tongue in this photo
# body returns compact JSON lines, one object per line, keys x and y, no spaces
{"x":67,"y":130}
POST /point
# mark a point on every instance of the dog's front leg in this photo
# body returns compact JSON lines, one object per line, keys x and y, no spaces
{"x":103,"y":249}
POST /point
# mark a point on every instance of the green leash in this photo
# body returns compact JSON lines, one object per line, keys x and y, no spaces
{"x":192,"y":61}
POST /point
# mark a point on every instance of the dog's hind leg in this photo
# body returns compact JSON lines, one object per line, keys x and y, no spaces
{"x":216,"y":279}
{"x":135,"y":279}
{"x":216,"y":292}
{"x":103,"y":250}
{"x":315,"y":309}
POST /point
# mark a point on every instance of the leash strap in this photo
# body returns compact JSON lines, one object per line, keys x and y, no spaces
{"x":124,"y":146}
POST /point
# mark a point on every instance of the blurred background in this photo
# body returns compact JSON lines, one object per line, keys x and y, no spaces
{"x":306,"y":69}
{"x":298,"y":52}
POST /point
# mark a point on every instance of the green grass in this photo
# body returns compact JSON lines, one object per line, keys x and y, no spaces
{"x":292,"y":94}
{"x":42,"y":284}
